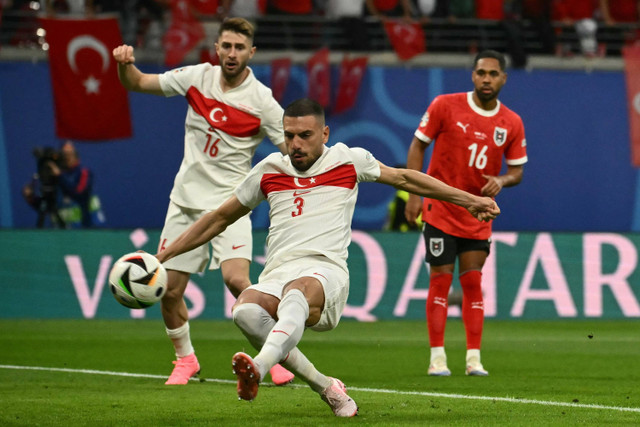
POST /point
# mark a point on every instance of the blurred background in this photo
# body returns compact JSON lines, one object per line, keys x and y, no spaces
{"x":573,"y":104}
{"x":568,"y":231}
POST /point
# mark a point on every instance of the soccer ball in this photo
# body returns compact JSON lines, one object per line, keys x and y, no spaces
{"x":138,"y":280}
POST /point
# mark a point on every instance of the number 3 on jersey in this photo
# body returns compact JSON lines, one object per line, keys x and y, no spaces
{"x":211,"y":147}
{"x":299,"y":203}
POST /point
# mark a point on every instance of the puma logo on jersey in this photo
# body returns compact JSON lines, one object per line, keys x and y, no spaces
{"x":463,"y":127}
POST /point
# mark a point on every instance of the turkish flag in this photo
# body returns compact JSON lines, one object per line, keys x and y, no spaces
{"x":407,"y":39}
{"x":631,"y":55}
{"x":280,"y":72}
{"x":183,"y":35}
{"x":319,"y":76}
{"x":90,"y":103}
{"x":351,"y":73}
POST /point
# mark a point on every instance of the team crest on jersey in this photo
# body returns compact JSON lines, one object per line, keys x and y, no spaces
{"x":499,"y":136}
{"x":436,"y":246}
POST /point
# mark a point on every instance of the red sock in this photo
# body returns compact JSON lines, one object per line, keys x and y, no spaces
{"x":472,"y":307}
{"x":436,"y":310}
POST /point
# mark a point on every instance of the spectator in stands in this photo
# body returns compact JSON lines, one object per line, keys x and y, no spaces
{"x":290,"y":32}
{"x":209,"y":13}
{"x":512,"y":25}
{"x":619,"y":11}
{"x":490,"y":9}
{"x":428,"y":9}
{"x":615,"y":12}
{"x":384,"y":9}
{"x":72,"y":7}
{"x":247,"y":9}
{"x":580,"y":14}
{"x":460,"y":9}
{"x":138,"y":19}
{"x":350,"y":18}
{"x":538,"y":13}
{"x":288,"y":7}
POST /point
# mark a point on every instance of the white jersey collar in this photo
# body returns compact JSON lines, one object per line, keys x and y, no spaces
{"x":475,"y":108}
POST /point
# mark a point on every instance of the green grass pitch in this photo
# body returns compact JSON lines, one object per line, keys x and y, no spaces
{"x":112,"y":373}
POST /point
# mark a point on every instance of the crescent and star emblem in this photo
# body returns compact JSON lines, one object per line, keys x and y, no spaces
{"x":212,"y":115}
{"x":91,"y":84}
{"x":297,"y":182}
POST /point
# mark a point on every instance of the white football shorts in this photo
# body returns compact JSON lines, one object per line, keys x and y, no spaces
{"x":235,"y":242}
{"x":334,"y":280}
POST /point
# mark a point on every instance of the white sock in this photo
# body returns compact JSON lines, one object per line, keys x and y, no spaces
{"x":437,"y":352}
{"x":293,"y":312}
{"x":473,"y":353}
{"x":254,"y":322}
{"x":298,"y":363}
{"x":181,"y":340}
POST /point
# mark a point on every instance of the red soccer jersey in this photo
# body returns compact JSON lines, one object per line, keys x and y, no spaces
{"x":470,"y":142}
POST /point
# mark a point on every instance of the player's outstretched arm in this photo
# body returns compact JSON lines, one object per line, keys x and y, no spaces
{"x":415,"y":161}
{"x":412,"y":181}
{"x":206,"y":228}
{"x":130,"y":76}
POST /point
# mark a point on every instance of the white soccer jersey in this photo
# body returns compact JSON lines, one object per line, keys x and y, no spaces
{"x":311,"y":211}
{"x":222,"y":132}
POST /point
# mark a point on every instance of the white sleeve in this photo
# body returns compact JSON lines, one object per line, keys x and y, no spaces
{"x":178,"y":81}
{"x":248,"y":191}
{"x":272,"y":121}
{"x":367,"y":167}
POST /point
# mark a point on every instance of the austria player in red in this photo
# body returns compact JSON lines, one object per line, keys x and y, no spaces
{"x":472,"y":131}
{"x":230,"y":112}
{"x":305,"y":282}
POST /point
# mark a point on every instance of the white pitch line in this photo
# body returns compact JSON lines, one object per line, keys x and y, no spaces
{"x":363,"y":389}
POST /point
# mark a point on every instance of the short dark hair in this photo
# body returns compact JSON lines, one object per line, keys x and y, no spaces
{"x":305,"y":107}
{"x":489,"y":53}
{"x":238,"y":25}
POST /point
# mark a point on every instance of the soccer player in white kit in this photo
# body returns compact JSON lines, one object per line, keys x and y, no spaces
{"x":305,"y":282}
{"x":229,"y":114}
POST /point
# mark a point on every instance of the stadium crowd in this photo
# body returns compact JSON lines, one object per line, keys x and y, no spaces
{"x":521,"y":27}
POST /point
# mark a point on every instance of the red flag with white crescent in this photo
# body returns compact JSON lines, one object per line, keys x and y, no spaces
{"x":280,"y":72}
{"x":319,"y":76}
{"x":90,"y":103}
{"x":631,"y":55}
{"x":351,"y":73}
{"x":184,"y":33}
{"x":407,"y":39}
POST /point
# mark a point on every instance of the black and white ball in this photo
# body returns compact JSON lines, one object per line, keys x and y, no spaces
{"x":138,"y":280}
